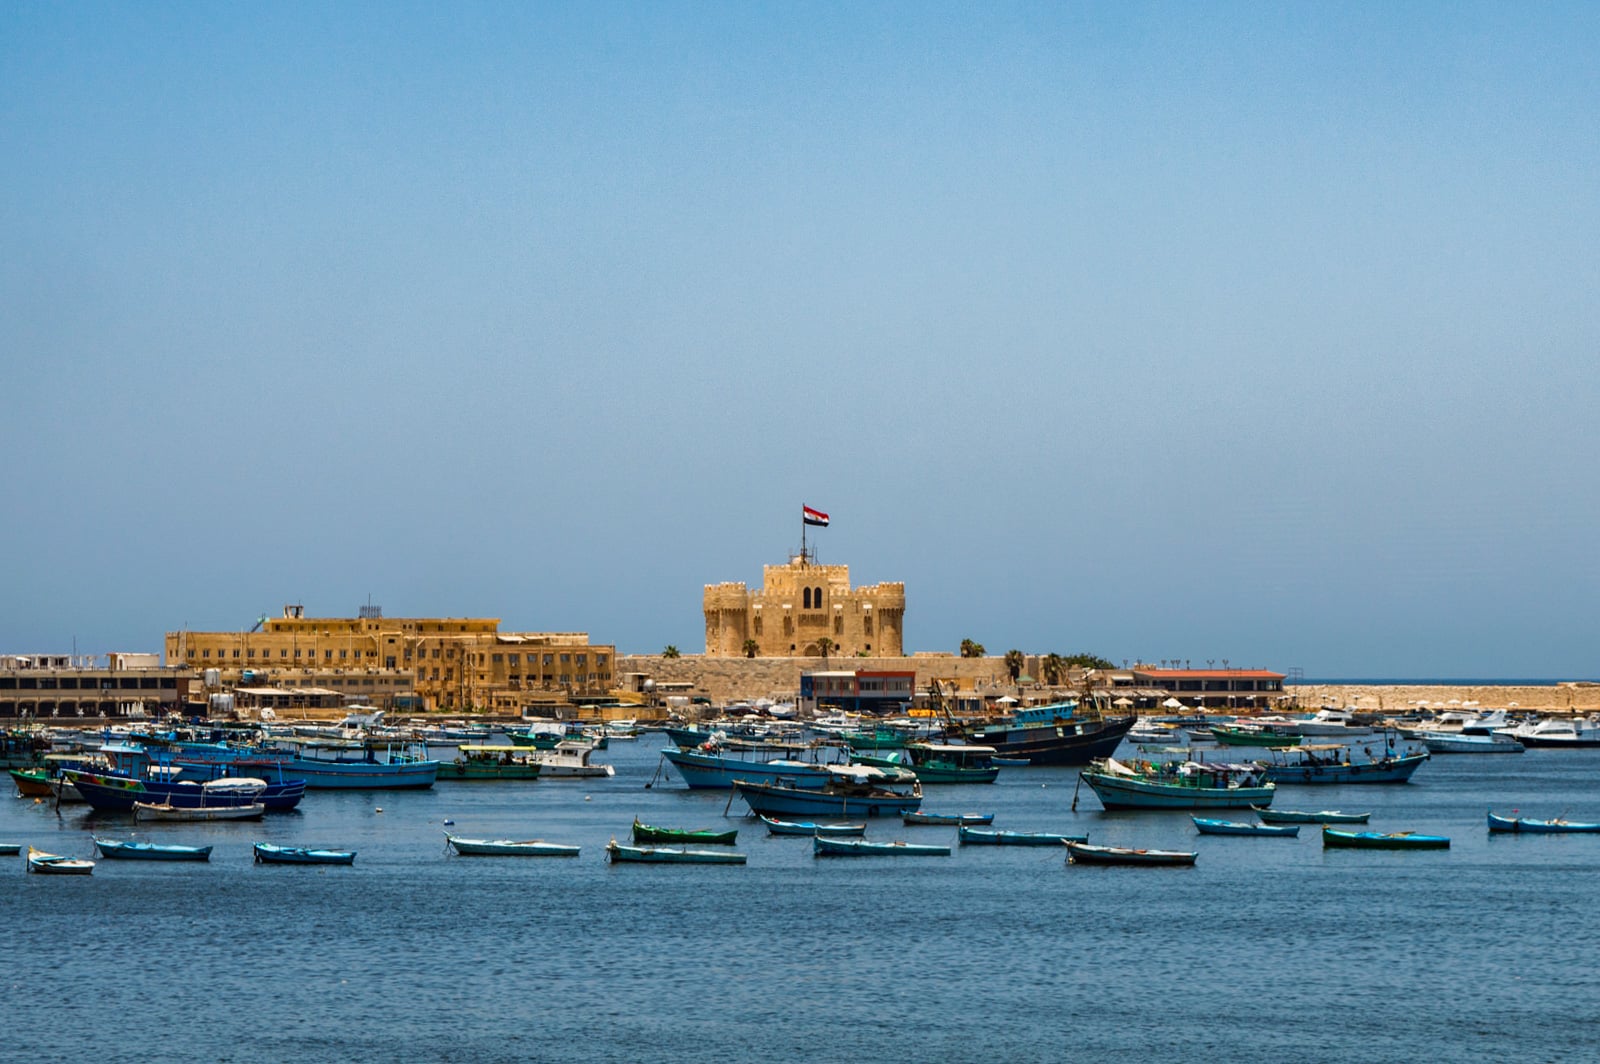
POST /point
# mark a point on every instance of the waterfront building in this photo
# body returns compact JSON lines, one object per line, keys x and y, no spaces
{"x":54,"y":686}
{"x":798,"y":605}
{"x":1233,"y":690}
{"x":433,"y":663}
{"x":879,"y":691}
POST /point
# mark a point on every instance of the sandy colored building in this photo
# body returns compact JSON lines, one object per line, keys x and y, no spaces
{"x":452,"y":664}
{"x":799,"y":604}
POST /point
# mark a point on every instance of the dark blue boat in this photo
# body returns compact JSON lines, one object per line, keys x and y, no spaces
{"x":114,"y":793}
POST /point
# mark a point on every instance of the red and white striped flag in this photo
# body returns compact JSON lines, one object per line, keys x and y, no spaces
{"x":814,"y":517}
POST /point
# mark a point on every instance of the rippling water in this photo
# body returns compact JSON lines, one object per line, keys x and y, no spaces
{"x":1266,"y":949}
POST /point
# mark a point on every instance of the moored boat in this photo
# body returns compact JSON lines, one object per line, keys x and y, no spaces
{"x":10,"y":849}
{"x":714,"y":770}
{"x":1523,"y":825}
{"x":508,"y":847}
{"x":150,"y":851}
{"x":1253,"y":735}
{"x":1055,"y":734}
{"x":811,"y":827}
{"x":619,"y":854}
{"x":269,"y":853}
{"x":1084,"y":853}
{"x":1190,"y":785}
{"x":32,"y":782}
{"x":1295,"y":816}
{"x":683,"y":836}
{"x":979,"y":837}
{"x":198,"y":813}
{"x":1333,"y":763}
{"x":1556,"y":732}
{"x":1467,"y":743}
{"x":1208,"y":826}
{"x":53,"y":864}
{"x":822,"y":846}
{"x":854,"y":790}
{"x":947,"y":819}
{"x":491,"y":762}
{"x":1382,"y":840}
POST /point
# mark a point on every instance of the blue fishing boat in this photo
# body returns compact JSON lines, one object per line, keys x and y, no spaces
{"x":111,"y":792}
{"x":705,"y":770}
{"x":921,"y":819}
{"x":1169,"y":785}
{"x":150,"y":851}
{"x":1056,"y":734}
{"x":1382,"y":840}
{"x":822,"y":846}
{"x":620,"y":854}
{"x":982,"y":837}
{"x":853,"y":790}
{"x":268,"y":853}
{"x":1522,"y":825}
{"x":360,"y":767}
{"x":1332,"y":763}
{"x":811,"y":827}
{"x":1208,"y":826}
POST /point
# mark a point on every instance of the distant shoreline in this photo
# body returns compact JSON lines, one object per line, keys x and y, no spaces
{"x":1365,"y":681}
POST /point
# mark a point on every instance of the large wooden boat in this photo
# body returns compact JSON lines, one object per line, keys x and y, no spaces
{"x":508,"y":847}
{"x":53,"y":864}
{"x":269,"y":853}
{"x":852,"y":790}
{"x":1190,"y":785}
{"x":110,"y":792}
{"x":1084,"y":853}
{"x":1382,"y":840}
{"x":713,"y":770}
{"x":491,"y":762}
{"x":942,"y":762}
{"x":360,"y":766}
{"x":822,"y":846}
{"x":1558,"y":826}
{"x":980,"y":837}
{"x":150,"y":851}
{"x":619,"y":854}
{"x":1332,"y":763}
{"x":197,"y":813}
{"x":1055,"y":734}
{"x":683,"y":836}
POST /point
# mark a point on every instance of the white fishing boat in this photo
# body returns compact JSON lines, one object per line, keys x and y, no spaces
{"x":1463,"y":743}
{"x":569,"y":760}
{"x":509,"y":847}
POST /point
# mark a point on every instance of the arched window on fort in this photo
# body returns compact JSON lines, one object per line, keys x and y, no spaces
{"x":805,"y":599}
{"x":816,"y":597}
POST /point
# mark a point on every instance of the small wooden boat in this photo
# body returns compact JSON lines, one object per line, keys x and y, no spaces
{"x":947,"y":819}
{"x":823,"y":846}
{"x":683,"y":836}
{"x":1523,"y":825}
{"x":619,"y":854}
{"x":1011,"y":762}
{"x":167,"y":811}
{"x":1253,"y":735}
{"x":1382,"y":840}
{"x":809,"y":827}
{"x":268,"y":853}
{"x":508,"y":847}
{"x":1209,"y":826}
{"x":1291,"y":816}
{"x":10,"y":849}
{"x":1083,"y":853}
{"x":32,"y":782}
{"x":52,"y":864}
{"x":980,"y":837}
{"x":150,"y":851}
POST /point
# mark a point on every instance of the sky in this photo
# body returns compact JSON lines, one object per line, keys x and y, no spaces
{"x":1247,"y":332}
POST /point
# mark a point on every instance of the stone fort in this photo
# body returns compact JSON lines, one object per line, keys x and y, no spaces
{"x":800,"y":604}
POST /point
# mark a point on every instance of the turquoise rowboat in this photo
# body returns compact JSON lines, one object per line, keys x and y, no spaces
{"x":1083,"y":853}
{"x":150,"y":851}
{"x":1294,"y":816}
{"x":1539,"y":827}
{"x":619,"y":854}
{"x":822,"y":846}
{"x":52,"y":864}
{"x":1380,"y":840}
{"x":268,"y":853}
{"x":10,"y":849}
{"x":1208,"y":826}
{"x":947,"y":819}
{"x":808,"y":827}
{"x":980,"y":837}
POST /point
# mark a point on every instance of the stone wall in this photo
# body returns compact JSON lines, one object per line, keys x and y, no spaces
{"x":726,"y":680}
{"x":1398,"y":698}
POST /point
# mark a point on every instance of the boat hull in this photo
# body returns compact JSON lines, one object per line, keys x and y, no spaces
{"x":646,"y":833}
{"x":114,"y":849}
{"x":619,"y":854}
{"x":1083,"y":853}
{"x":1389,"y":770}
{"x":1325,"y":816}
{"x":808,"y":827}
{"x":947,"y":819}
{"x":776,"y":801}
{"x":1207,"y":826}
{"x":51,"y":864}
{"x":979,"y":837}
{"x":1377,"y":840}
{"x":1522,"y":826}
{"x":703,"y":771}
{"x":509,"y":848}
{"x":109,"y":793}
{"x":267,"y":853}
{"x":822,"y":846}
{"x":1123,"y":792}
{"x":1068,"y":742}
{"x":198,"y":813}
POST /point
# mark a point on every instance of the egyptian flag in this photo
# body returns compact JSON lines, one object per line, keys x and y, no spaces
{"x":814,"y":517}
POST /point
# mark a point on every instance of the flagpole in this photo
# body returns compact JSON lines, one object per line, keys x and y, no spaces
{"x":803,"y":559}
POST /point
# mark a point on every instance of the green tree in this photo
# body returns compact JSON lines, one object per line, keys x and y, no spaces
{"x":970,"y":649}
{"x":1087,"y":661}
{"x":824,"y":645}
{"x":1014,"y":660}
{"x":751,"y":648}
{"x":670,"y":652}
{"x":1054,"y":666}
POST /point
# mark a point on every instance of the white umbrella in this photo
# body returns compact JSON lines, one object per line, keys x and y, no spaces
{"x":1173,"y":703}
{"x":1123,"y":702}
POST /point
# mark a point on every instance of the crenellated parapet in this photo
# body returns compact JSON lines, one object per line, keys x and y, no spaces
{"x":801,"y":609}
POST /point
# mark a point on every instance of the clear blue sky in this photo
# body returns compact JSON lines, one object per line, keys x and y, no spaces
{"x":1260,"y":332}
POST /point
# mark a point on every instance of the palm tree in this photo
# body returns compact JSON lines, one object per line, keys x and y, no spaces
{"x":970,"y":649}
{"x":1054,"y":665}
{"x":670,"y":651}
{"x":1014,"y":661}
{"x":751,"y":648}
{"x":824,"y":645}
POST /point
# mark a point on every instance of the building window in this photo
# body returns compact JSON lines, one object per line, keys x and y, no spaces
{"x":805,"y":599}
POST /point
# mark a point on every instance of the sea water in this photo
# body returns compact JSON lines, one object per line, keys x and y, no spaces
{"x":1267,"y":949}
